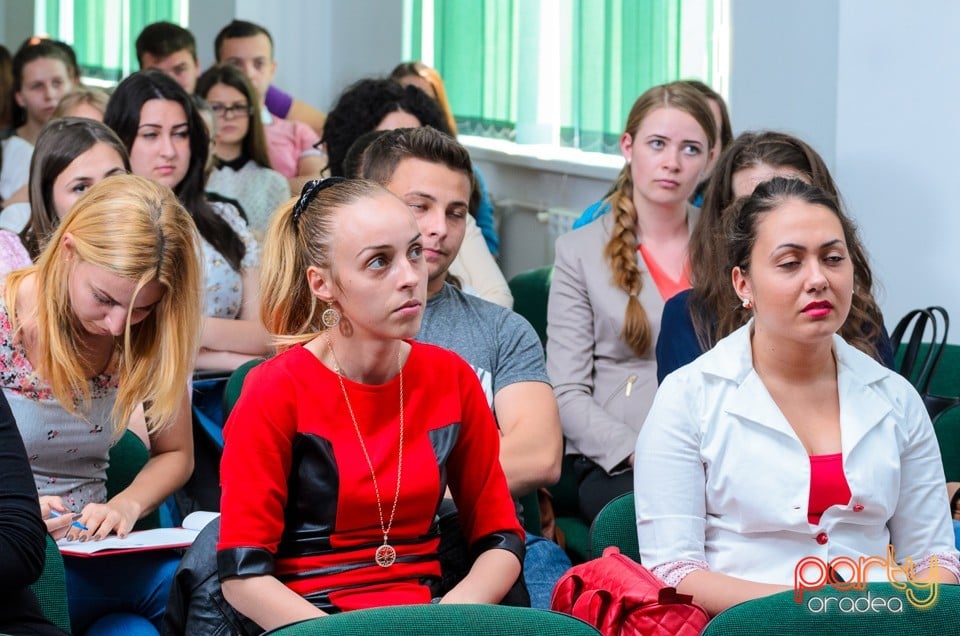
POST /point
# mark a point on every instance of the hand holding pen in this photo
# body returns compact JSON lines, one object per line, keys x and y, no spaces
{"x":74,"y":516}
{"x":57,"y":517}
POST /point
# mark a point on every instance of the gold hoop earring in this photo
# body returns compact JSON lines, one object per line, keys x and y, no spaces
{"x":330,"y":317}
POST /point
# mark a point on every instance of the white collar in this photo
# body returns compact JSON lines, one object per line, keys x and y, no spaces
{"x":862,"y":404}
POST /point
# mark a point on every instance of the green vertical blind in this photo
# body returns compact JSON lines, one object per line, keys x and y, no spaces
{"x":494,"y":54}
{"x":103,"y":32}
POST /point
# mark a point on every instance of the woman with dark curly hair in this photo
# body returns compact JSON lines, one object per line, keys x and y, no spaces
{"x":375,"y":104}
{"x":382,"y":104}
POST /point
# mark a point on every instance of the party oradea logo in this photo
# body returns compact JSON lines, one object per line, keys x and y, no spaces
{"x":845,"y":574}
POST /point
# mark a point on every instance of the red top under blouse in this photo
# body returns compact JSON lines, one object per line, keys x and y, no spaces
{"x":667,"y":286}
{"x":828,"y":485}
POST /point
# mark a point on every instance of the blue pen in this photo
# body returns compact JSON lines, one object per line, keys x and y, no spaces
{"x":75,"y":524}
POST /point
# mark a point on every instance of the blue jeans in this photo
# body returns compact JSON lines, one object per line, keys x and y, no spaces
{"x":121,"y":594}
{"x":543,"y":566}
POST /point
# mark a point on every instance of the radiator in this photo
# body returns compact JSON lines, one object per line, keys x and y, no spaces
{"x":528,"y":232}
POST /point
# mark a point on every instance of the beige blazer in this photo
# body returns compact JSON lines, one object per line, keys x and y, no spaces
{"x":603,"y":389}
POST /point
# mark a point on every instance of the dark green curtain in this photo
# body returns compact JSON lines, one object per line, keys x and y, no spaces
{"x":620,"y":48}
{"x":617,"y":49}
{"x":475,"y":45}
{"x":104,"y":31}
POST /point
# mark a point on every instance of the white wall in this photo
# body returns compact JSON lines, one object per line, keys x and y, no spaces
{"x":783,"y":69}
{"x":324,"y":45}
{"x":898,"y":134}
{"x":16,"y":22}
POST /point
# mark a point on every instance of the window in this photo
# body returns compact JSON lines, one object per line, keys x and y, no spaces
{"x":103,"y":32}
{"x":561,"y":72}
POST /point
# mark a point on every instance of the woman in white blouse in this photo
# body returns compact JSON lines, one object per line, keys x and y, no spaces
{"x":784,"y":442}
{"x":168,"y":143}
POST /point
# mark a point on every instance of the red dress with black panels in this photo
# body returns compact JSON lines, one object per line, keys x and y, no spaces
{"x":298,"y":499}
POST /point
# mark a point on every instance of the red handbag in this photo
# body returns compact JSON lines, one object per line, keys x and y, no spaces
{"x":620,"y":597}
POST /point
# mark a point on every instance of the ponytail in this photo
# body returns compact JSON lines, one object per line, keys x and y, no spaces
{"x":287,"y":308}
{"x":300,"y":235}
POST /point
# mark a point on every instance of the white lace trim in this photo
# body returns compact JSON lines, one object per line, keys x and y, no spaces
{"x":947,"y":561}
{"x":672,"y":572}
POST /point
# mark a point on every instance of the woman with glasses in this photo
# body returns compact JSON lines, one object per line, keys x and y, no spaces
{"x":169,"y":144}
{"x":242,"y":169}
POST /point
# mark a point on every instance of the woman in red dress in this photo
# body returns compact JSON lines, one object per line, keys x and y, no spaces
{"x":341,"y":447}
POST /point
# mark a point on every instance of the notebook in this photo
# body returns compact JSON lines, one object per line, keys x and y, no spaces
{"x":156,"y":539}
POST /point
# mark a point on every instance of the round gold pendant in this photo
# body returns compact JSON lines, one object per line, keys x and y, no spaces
{"x":385,"y":556}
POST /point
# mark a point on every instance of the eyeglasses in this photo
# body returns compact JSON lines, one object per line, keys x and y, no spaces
{"x":228,"y":112}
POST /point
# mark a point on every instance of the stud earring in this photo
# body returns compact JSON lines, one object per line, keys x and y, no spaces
{"x":330,"y":317}
{"x":746,"y":303}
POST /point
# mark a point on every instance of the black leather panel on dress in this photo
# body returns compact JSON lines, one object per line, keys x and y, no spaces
{"x":443,"y":440}
{"x":244,"y":562}
{"x":499,"y":540}
{"x":312,"y":492}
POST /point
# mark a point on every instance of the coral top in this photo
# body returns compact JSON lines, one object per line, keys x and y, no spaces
{"x":667,"y":286}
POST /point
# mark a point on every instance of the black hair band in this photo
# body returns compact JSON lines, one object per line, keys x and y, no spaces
{"x":309,"y":191}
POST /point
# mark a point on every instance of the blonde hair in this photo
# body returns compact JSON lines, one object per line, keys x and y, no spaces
{"x":294,"y":242}
{"x":93,"y":97}
{"x":135,"y":229}
{"x":621,"y":249}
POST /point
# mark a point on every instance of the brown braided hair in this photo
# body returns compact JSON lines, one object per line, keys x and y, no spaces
{"x":621,"y":249}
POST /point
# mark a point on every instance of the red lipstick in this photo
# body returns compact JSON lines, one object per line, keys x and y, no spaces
{"x":818,"y":309}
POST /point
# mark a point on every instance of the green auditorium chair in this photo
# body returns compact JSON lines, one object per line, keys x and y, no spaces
{"x":449,"y":620}
{"x":947,"y":429}
{"x":530,"y":291}
{"x":51,"y":588}
{"x":616,"y":524}
{"x":878,"y":609}
{"x":127,"y":457}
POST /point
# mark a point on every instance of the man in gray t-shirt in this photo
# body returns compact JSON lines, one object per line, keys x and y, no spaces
{"x":433,"y":175}
{"x":499,"y":344}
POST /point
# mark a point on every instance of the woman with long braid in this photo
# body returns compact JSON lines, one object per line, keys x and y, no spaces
{"x":610,"y":283}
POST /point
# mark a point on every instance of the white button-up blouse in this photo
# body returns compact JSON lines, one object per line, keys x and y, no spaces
{"x":723,"y":481}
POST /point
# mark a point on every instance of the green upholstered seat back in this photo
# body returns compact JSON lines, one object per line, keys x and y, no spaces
{"x":616,"y":524}
{"x":51,"y":588}
{"x":530,"y":292}
{"x":231,"y":392}
{"x":825,"y":612}
{"x":449,"y":620}
{"x":127,"y":457}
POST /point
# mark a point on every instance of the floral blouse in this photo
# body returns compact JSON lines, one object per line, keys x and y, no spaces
{"x":223,"y":284}
{"x":13,"y":255}
{"x":68,"y":453}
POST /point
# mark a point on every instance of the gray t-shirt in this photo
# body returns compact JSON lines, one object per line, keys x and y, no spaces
{"x":499,"y":344}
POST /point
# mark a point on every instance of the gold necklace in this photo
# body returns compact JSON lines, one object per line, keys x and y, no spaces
{"x":386,"y":555}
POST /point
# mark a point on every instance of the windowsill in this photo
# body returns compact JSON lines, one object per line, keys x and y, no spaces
{"x":542,"y":157}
